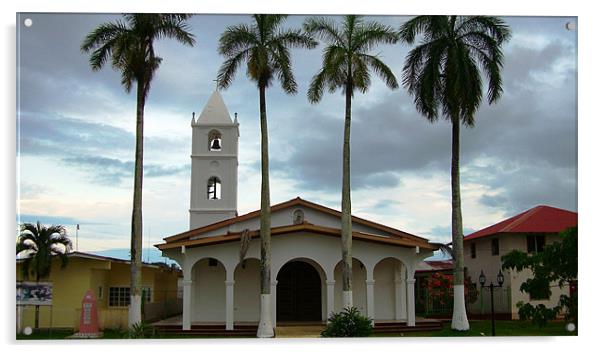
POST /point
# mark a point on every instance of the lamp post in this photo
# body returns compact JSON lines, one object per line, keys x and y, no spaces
{"x":500,"y":281}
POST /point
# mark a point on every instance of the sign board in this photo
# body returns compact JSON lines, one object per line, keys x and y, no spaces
{"x":34,"y":293}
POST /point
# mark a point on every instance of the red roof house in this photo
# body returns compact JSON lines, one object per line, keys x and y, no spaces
{"x":539,"y":219}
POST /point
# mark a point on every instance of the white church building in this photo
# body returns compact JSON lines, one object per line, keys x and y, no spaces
{"x":219,"y":254}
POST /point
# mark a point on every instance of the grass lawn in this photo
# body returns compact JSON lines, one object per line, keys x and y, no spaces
{"x":477,"y":328}
{"x":502,"y":328}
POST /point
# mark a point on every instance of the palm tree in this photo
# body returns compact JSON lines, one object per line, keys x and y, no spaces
{"x":38,"y":244}
{"x":346,"y":65}
{"x":129,"y":45}
{"x":443,"y":73}
{"x":265,"y":49}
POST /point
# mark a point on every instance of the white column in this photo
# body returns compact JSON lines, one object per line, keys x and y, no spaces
{"x":273,"y":287}
{"x":399,"y":299}
{"x":370,"y":298}
{"x":186,"y":303}
{"x":410,"y":305}
{"x":329,"y":298}
{"x":229,"y":305}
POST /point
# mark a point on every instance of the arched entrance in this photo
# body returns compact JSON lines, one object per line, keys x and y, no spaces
{"x":298,"y":293}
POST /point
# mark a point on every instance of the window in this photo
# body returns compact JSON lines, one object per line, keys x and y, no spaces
{"x":540,"y":296}
{"x":473,"y":250}
{"x":495,"y":247}
{"x":535,"y":243}
{"x":120,"y":296}
{"x":214,"y":189}
{"x":99,"y":292}
{"x":298,"y":217}
{"x":215,"y":141}
{"x":212,"y":262}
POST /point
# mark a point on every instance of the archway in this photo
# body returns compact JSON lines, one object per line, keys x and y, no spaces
{"x":298,"y":293}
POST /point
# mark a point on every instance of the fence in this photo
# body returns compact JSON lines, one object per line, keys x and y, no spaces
{"x":440,"y":302}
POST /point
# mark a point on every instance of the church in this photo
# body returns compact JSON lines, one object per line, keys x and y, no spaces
{"x":219,"y":254}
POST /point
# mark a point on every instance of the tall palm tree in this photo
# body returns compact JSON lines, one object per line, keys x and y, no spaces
{"x":265,"y":49}
{"x":346,"y":65}
{"x":38,"y":244}
{"x":443,"y":73}
{"x":129,"y":45}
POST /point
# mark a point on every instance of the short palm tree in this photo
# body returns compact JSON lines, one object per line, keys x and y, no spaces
{"x":129,"y":45}
{"x":265,"y":49}
{"x":346,"y":66}
{"x":37,"y":244}
{"x":443,"y":73}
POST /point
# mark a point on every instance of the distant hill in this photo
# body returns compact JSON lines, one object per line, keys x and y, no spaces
{"x":148,"y":255}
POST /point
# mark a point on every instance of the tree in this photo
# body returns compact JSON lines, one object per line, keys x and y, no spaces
{"x":265,"y":49}
{"x":556,"y":264}
{"x":129,"y":45}
{"x":443,"y":73}
{"x":346,"y":65}
{"x":38,"y":244}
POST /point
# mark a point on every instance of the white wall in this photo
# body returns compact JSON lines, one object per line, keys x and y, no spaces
{"x":384,"y":289}
{"x":358,"y":287}
{"x":209,"y":292}
{"x":247,"y":291}
{"x":324,"y":252}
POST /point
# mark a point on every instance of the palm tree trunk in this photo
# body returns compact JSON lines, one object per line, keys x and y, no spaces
{"x":135,"y":309}
{"x":346,"y":228}
{"x":265,"y":328}
{"x":459,"y":318}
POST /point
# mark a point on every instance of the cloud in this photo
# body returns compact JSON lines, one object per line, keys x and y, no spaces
{"x":109,"y":171}
{"x":529,"y":139}
{"x":45,"y":219}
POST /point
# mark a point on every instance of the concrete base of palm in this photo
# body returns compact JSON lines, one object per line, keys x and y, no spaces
{"x":459,"y":318}
{"x":135,"y":310}
{"x":266,"y":327}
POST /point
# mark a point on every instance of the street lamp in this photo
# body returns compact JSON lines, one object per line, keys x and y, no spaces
{"x":500,"y":281}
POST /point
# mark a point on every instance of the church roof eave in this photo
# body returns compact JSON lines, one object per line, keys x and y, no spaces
{"x":305,"y":227}
{"x":294,"y":202}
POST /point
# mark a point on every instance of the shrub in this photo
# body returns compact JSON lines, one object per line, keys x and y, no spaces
{"x":140,"y":330}
{"x":348,"y":323}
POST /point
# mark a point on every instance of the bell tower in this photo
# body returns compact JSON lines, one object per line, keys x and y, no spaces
{"x":214,"y":174}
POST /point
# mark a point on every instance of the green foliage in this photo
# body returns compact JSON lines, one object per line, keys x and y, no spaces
{"x":38,"y":244}
{"x":557,"y":263}
{"x":443,"y":72}
{"x":129,"y":45}
{"x":346,"y":61}
{"x":140,"y":330}
{"x":264,"y":46}
{"x":539,"y":314}
{"x":348,"y":323}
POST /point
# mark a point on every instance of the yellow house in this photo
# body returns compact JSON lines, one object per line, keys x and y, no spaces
{"x":109,"y":279}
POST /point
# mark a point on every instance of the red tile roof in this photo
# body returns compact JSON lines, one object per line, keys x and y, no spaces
{"x":435,"y":265}
{"x":539,"y":219}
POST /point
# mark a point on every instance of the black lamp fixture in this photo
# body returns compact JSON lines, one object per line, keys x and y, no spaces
{"x":491,"y":286}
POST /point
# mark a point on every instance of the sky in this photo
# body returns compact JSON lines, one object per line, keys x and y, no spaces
{"x":75,"y":135}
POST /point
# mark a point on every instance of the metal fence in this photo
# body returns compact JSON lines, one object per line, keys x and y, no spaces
{"x":440,"y":302}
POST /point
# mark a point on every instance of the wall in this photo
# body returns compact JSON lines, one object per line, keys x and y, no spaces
{"x":208,"y":291}
{"x":69,"y":287}
{"x":512,"y":280}
{"x":71,"y":283}
{"x":246,"y":292}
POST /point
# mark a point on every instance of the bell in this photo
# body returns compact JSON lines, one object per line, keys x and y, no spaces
{"x":215,"y":145}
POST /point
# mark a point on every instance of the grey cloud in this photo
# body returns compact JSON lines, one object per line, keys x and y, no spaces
{"x":109,"y":171}
{"x":531,"y":132}
{"x":519,"y":189}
